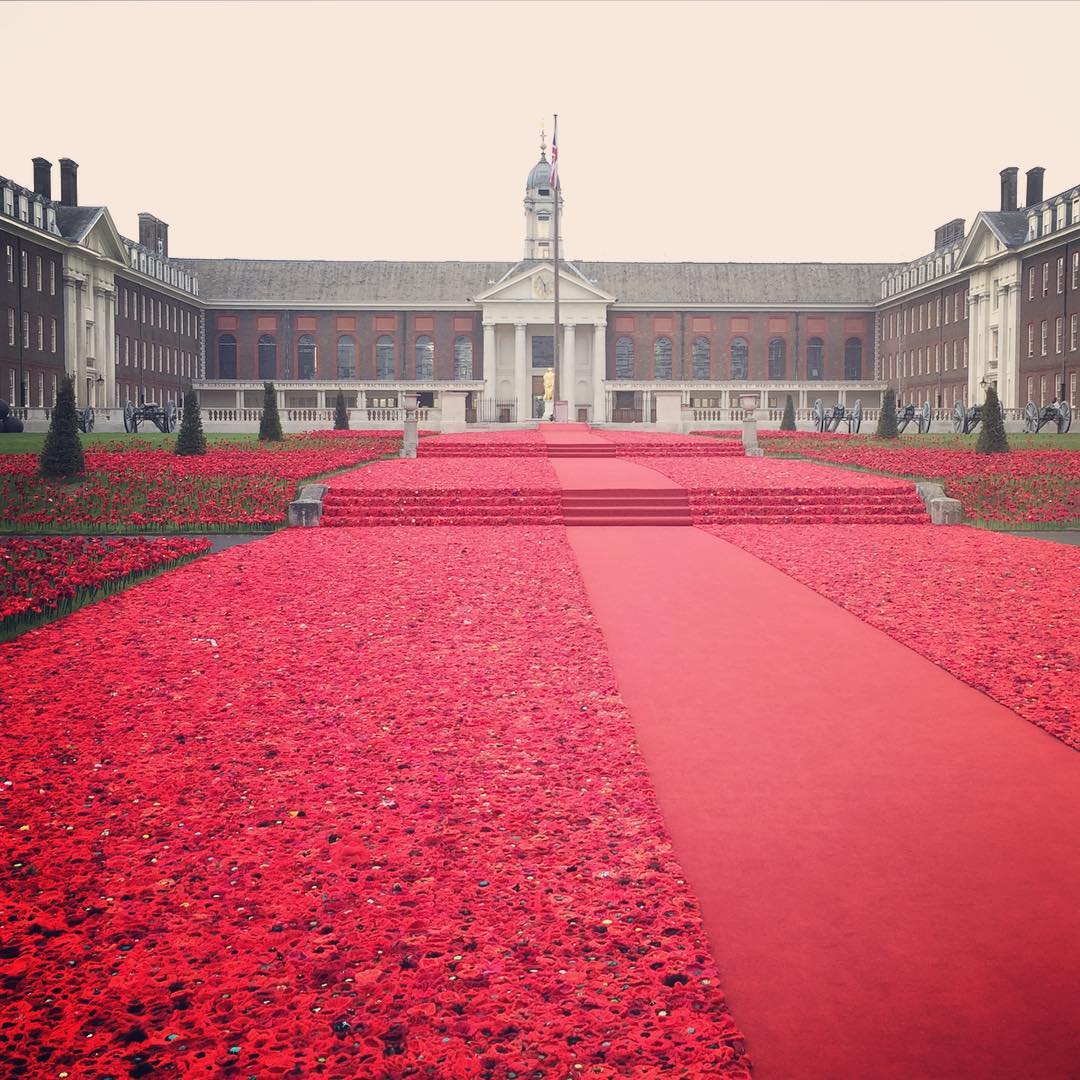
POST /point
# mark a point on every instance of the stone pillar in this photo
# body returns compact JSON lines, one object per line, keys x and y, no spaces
{"x":521,"y":374}
{"x":490,"y":366}
{"x":568,"y":379}
{"x":598,"y":413}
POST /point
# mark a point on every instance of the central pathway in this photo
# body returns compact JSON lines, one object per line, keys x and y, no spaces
{"x":886,"y":859}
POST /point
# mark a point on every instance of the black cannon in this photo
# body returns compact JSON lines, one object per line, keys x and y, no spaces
{"x":907,"y":414}
{"x":85,"y":419}
{"x":831,"y":419}
{"x":965,"y":421}
{"x":1058,"y":413}
{"x":9,"y":423}
{"x":163,"y":417}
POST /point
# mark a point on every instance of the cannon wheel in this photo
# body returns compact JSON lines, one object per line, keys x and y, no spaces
{"x":819,"y":415}
{"x":959,"y":412}
{"x":855,"y":418}
{"x":1064,"y":417}
{"x":169,"y":417}
{"x":924,"y":418}
{"x":88,"y":419}
{"x":131,"y":423}
{"x":1031,"y":418}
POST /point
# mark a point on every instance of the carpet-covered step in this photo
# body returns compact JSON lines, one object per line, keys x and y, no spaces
{"x":826,"y":518}
{"x":348,"y":507}
{"x":731,"y":448}
{"x":627,"y":506}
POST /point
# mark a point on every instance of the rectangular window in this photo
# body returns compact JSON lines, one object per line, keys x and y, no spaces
{"x":159,"y":313}
{"x":52,"y":335}
{"x":52,"y":277}
{"x":142,"y":304}
{"x":1061,"y":274}
{"x":1031,"y":339}
{"x":965,"y":352}
{"x":956,"y":306}
{"x":24,"y":270}
{"x":1075,"y":269}
{"x":905,"y":320}
{"x":11,"y":326}
{"x":1042,"y":391}
{"x":937,"y":358}
{"x":127,"y":343}
{"x":41,"y":390}
{"x":994,"y":343}
{"x":26,"y":330}
{"x":1031,"y":283}
{"x":1043,"y":336}
{"x":996,"y":296}
{"x":1072,"y":334}
{"x":1046,"y":278}
{"x":54,"y":388}
{"x":937,"y":308}
{"x":39,"y":277}
{"x":11,"y":263}
{"x":1059,"y":334}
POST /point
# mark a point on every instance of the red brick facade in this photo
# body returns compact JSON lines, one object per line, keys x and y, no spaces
{"x":1050,"y":324}
{"x":783,"y":345}
{"x":157,"y":343}
{"x":924,"y":345}
{"x":31,"y":321}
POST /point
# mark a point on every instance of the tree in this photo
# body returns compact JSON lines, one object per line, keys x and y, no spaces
{"x":886,"y":424}
{"x":787,"y":421}
{"x":62,"y":454}
{"x":270,"y":424}
{"x":191,"y":440}
{"x":992,"y":438}
{"x":341,"y":413}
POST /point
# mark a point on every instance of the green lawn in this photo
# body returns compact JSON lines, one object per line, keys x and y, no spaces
{"x":1017,"y":441}
{"x":30,"y":442}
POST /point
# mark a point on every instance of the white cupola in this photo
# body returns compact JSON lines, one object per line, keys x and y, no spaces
{"x":540,"y":210}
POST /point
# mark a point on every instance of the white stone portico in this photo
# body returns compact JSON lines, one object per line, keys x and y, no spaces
{"x":520,"y":309}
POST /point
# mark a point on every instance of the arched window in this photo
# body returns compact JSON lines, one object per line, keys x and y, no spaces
{"x":853,"y":358}
{"x":702,"y":358}
{"x":463,"y":359}
{"x":226,"y":356}
{"x":777,"y":358}
{"x":346,"y":357}
{"x":267,"y":357}
{"x":740,"y":359}
{"x":662,"y":356}
{"x":425,"y":358}
{"x":305,"y":356}
{"x":624,"y":358}
{"x":815,"y":358}
{"x":384,"y":357}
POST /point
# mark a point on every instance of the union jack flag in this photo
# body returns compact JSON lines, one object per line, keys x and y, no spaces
{"x":555,"y":155}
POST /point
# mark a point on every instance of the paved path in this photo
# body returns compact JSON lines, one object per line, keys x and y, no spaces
{"x":886,"y":859}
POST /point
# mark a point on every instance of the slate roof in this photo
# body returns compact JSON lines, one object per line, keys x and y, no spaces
{"x":281,"y":281}
{"x":75,"y":222}
{"x":1010,"y":225}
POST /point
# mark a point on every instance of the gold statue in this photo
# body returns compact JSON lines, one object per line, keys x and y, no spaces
{"x":549,"y":385}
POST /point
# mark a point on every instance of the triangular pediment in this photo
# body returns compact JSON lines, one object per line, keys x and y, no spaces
{"x":536,"y":281}
{"x":103,"y":238}
{"x":990,"y":235}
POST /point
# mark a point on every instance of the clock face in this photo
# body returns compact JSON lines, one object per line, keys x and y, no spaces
{"x":542,"y":285}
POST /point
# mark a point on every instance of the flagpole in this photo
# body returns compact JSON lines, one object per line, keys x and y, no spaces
{"x":559,"y":389}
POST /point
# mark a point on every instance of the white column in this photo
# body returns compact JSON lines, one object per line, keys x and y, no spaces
{"x":521,"y":374}
{"x":490,"y":363}
{"x":569,"y":371}
{"x":599,"y":369}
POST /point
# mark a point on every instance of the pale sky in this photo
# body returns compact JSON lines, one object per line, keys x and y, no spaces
{"x":687,"y":131}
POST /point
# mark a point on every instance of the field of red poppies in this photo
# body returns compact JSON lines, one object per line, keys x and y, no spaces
{"x":236,"y":486}
{"x":995,"y":611}
{"x":384,"y":820}
{"x":44,"y":577}
{"x":1024,"y":488}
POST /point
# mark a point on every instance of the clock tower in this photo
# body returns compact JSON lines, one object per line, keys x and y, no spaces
{"x":540,"y":210}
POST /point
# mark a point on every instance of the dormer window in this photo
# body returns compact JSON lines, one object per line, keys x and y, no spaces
{"x":9,"y":202}
{"x":1047,"y":220}
{"x":1033,"y":226}
{"x":39,"y":217}
{"x":24,"y":209}
{"x":50,"y":217}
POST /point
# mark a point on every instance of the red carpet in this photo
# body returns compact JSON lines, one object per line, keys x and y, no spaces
{"x":614,"y":491}
{"x":886,"y":859}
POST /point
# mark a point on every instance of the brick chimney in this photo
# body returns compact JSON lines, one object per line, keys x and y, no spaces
{"x":154,"y":234}
{"x":43,"y":177}
{"x":1008,"y":187}
{"x":69,"y":182}
{"x":1035,"y":185}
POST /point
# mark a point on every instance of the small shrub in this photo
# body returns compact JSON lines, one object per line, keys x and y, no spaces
{"x":341,"y":413}
{"x":270,"y":424}
{"x":886,"y":425}
{"x":62,"y":455}
{"x":787,"y":421}
{"x":191,"y":440}
{"x":992,"y":438}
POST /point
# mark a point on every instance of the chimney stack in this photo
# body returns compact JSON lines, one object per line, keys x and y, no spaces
{"x":1008,"y":187}
{"x":154,"y":234}
{"x":43,"y":177}
{"x":69,"y":182}
{"x":1035,"y":185}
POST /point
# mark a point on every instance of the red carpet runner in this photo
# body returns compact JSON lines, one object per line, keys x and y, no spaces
{"x":886,"y":859}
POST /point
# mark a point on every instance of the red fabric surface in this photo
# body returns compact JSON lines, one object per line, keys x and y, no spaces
{"x":886,"y":859}
{"x":581,"y":474}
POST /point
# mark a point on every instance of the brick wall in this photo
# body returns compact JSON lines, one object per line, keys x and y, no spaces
{"x":1056,"y":303}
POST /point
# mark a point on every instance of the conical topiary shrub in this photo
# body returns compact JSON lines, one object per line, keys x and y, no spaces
{"x":787,"y":421}
{"x":270,"y":424}
{"x":62,"y":454}
{"x":992,"y":438}
{"x":191,"y":440}
{"x":886,"y":424}
{"x":341,"y":413}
